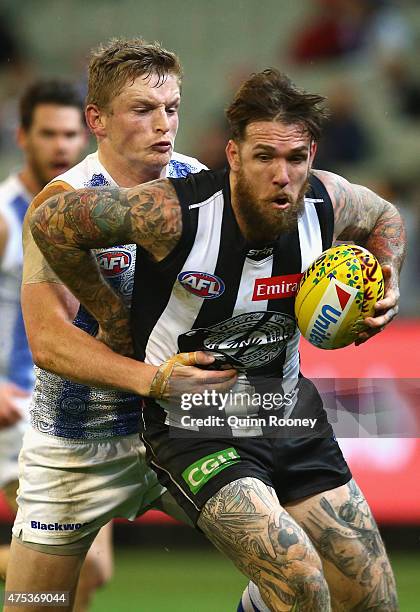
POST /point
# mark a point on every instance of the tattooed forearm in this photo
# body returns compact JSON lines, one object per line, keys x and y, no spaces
{"x":388,"y":241}
{"x":66,"y":226}
{"x":367,"y":219}
{"x":148,"y":215}
{"x":63,"y":227}
{"x":246,"y":522}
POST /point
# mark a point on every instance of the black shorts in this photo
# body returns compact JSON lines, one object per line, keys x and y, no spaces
{"x":194,"y":469}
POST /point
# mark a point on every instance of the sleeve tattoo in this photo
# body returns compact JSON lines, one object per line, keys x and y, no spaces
{"x":68,"y":225}
{"x":362,"y":216}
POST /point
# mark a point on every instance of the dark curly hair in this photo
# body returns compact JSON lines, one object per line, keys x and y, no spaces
{"x":270,"y":95}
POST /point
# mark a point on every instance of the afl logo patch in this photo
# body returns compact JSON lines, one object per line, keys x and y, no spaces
{"x":114,"y":262}
{"x":202,"y":284}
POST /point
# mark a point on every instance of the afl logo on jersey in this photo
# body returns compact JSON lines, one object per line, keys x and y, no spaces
{"x":202,"y":284}
{"x":114,"y":262}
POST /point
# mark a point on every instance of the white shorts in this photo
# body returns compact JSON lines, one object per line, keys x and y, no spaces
{"x":69,"y":489}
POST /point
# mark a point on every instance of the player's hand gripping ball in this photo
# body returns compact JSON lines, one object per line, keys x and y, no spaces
{"x":336,"y":293}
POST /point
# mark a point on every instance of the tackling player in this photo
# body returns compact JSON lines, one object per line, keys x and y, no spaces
{"x":82,"y":460}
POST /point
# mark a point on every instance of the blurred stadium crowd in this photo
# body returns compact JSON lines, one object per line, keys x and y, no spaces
{"x":361,"y":54}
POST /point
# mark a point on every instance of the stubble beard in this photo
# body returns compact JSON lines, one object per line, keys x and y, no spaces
{"x":260,"y":222}
{"x":40,"y":175}
{"x":38,"y":170}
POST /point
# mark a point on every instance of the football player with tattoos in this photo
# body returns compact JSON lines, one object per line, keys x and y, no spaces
{"x":82,"y":461}
{"x":282,"y":505}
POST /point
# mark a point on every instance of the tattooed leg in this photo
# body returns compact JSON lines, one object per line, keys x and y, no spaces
{"x":245,"y":521}
{"x":343,"y":530}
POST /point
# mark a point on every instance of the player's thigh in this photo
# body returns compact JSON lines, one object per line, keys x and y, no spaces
{"x":344,"y":532}
{"x":34,"y":571}
{"x":246,"y":522}
{"x":99,"y":561}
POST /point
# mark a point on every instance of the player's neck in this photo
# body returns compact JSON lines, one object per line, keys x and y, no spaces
{"x":128,"y":174}
{"x":30,"y":181}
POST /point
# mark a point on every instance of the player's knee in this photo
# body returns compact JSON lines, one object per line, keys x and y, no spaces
{"x":104,"y":576}
{"x":96,"y":573}
{"x":379,"y":593}
{"x":304,"y":580}
{"x":93,"y":576}
{"x":4,"y":558}
{"x":311,"y":585}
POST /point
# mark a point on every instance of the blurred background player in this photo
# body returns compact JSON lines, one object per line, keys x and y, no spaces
{"x":132,"y":109}
{"x":52,"y":136}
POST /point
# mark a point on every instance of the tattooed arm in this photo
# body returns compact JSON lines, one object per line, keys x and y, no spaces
{"x":68,"y":225}
{"x":367,"y":219}
{"x":360,"y":215}
{"x":49,"y":310}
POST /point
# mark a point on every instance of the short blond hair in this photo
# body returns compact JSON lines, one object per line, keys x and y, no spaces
{"x":120,"y":60}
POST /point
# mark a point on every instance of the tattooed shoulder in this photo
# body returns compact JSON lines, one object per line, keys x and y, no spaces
{"x":356,"y":208}
{"x":35,"y":267}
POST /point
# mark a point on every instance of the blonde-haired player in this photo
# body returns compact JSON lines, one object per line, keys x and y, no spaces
{"x":82,"y":460}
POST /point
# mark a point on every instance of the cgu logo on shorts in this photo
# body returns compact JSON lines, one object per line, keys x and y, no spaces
{"x":276,"y":287}
{"x":202,"y":284}
{"x":114,"y":262}
{"x":197,"y":474}
{"x":57,"y":526}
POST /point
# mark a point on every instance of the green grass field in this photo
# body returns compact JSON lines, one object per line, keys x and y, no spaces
{"x":151,"y":581}
{"x":202,"y":581}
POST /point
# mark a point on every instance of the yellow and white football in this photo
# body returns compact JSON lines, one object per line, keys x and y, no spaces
{"x":336,"y":293}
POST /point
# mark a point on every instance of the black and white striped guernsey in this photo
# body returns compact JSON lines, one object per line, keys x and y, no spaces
{"x":216,"y":292}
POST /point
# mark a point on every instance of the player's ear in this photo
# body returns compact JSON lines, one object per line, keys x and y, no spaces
{"x":95,"y":120}
{"x":232,"y":154}
{"x":21,"y":138}
{"x":312,"y":152}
